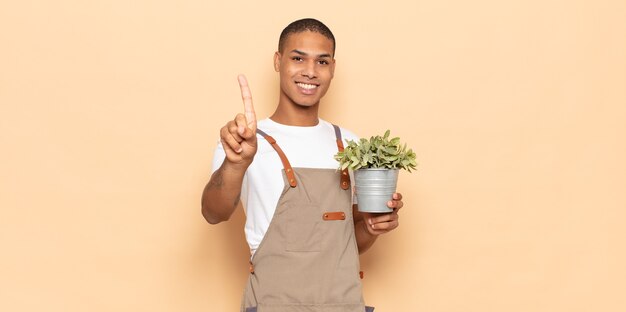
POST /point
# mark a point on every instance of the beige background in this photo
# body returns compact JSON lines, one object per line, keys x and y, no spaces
{"x":110,"y":110}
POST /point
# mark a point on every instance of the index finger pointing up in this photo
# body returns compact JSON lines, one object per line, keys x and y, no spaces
{"x":246,"y":96}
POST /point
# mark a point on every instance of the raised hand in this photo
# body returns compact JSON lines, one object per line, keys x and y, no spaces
{"x":238,"y":136}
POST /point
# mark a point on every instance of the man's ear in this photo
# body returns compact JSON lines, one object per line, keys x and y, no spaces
{"x":277,"y":61}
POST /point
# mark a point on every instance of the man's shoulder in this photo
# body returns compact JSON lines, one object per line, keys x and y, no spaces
{"x":264,"y":123}
{"x":345,"y":133}
{"x":349,"y":135}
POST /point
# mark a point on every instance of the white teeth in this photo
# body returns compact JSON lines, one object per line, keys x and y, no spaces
{"x":306,"y":86}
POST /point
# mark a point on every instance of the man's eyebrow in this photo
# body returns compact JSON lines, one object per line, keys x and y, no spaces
{"x":306,"y":54}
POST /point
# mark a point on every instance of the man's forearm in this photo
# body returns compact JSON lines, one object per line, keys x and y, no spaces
{"x":221,"y":194}
{"x":364,"y":239}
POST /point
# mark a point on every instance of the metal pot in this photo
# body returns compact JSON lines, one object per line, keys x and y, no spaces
{"x":374,"y":187}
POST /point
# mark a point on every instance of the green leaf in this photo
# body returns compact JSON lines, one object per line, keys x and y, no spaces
{"x":376,"y":152}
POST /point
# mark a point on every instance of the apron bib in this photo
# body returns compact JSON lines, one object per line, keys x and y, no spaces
{"x":308,"y":260}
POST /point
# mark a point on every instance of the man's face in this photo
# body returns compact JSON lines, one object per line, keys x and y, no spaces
{"x":306,"y":66}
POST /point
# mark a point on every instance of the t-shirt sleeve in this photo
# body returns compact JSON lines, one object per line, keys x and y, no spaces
{"x":218,"y":157}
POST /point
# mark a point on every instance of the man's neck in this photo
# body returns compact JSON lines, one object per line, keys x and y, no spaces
{"x":294,"y":115}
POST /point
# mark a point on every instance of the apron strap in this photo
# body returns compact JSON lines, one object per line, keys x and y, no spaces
{"x":288,"y":169}
{"x":345,"y":177}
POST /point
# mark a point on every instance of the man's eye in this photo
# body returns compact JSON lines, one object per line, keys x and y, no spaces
{"x":322,"y":62}
{"x":296,"y":58}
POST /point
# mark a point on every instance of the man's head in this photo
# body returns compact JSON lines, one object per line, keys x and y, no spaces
{"x":305,"y":61}
{"x":302,"y":25}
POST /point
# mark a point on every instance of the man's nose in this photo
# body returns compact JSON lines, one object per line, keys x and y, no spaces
{"x":309,"y":70}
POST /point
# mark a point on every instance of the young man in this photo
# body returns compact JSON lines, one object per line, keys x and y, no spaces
{"x":304,"y":233}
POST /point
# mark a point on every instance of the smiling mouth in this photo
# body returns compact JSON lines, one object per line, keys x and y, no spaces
{"x":306,"y":86}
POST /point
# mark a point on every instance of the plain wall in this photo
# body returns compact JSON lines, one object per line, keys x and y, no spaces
{"x":110,"y":111}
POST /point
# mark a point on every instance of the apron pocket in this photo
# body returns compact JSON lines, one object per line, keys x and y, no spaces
{"x":304,"y":232}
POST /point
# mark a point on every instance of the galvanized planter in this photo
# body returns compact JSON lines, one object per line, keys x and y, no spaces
{"x":374,"y":187}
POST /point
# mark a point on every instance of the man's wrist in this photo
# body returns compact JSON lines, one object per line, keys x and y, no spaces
{"x":236,"y":167}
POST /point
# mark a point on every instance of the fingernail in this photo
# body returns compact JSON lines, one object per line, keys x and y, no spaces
{"x":240,"y":130}
{"x":239,"y":150}
{"x":370,"y":221}
{"x":390,"y":203}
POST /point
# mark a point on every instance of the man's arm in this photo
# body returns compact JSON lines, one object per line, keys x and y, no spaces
{"x":364,"y":239}
{"x":238,"y":137}
{"x":221,"y":194}
{"x":368,"y":226}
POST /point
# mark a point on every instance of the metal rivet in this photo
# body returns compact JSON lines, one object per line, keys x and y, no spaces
{"x":288,"y":170}
{"x":345,"y":173}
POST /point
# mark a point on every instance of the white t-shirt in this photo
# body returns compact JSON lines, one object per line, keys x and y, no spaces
{"x":305,"y":147}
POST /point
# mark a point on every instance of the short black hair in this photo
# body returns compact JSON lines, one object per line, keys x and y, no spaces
{"x":302,"y":25}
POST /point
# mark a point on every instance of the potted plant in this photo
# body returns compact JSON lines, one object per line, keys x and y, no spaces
{"x":376,"y":163}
